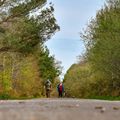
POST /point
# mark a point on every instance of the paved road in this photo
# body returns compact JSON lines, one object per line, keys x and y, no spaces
{"x":59,"y":109}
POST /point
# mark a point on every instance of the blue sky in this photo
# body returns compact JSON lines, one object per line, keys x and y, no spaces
{"x":72,"y":17}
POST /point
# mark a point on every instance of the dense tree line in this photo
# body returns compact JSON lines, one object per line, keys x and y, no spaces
{"x":23,"y":57}
{"x":102,"y":57}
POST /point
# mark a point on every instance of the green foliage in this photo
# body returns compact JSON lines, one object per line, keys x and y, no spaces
{"x":103,"y":45}
{"x":49,"y":68}
{"x":19,"y":76}
{"x":12,"y":9}
{"x":76,"y":80}
{"x":100,"y":76}
{"x":5,"y":96}
{"x":22,"y":34}
{"x":25,"y":33}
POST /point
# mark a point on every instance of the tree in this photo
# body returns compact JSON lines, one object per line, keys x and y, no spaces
{"x":103,"y":45}
{"x":98,"y":72}
{"x":22,"y":34}
{"x":48,"y":66}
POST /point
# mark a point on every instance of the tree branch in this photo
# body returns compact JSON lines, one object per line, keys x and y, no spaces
{"x":2,"y":2}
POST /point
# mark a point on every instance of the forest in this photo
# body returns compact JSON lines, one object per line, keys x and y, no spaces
{"x":25,"y":61}
{"x":97,"y":74}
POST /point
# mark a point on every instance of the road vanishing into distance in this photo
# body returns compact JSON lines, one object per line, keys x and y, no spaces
{"x":59,"y":109}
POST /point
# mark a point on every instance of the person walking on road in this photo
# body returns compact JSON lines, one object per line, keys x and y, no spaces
{"x":48,"y":88}
{"x":60,"y":89}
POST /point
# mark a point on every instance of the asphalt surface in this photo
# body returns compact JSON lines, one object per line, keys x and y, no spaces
{"x":59,"y":109}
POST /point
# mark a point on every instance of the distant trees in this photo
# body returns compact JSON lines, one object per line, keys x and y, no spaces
{"x":102,"y":41}
{"x":22,"y":37}
{"x":48,"y":66}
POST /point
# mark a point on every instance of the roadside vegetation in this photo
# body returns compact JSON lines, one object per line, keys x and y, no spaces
{"x":25,"y":62}
{"x":97,"y":75}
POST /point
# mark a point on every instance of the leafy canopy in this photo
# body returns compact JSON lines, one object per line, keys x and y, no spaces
{"x":23,"y":33}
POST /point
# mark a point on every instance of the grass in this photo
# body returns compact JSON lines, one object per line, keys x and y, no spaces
{"x":8,"y":97}
{"x":112,"y":98}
